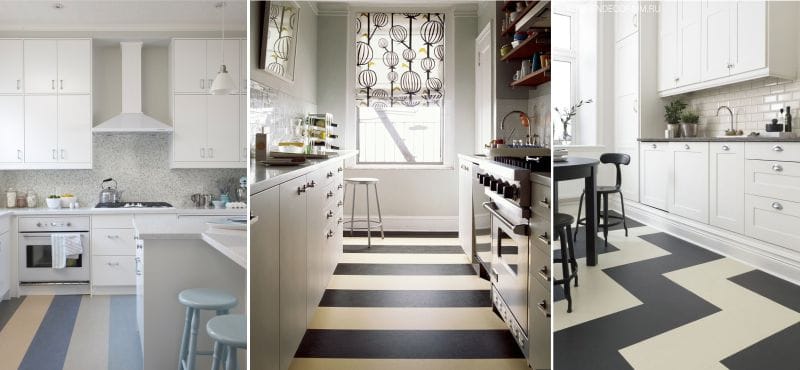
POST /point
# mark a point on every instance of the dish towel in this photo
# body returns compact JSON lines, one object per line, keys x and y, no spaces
{"x":65,"y":246}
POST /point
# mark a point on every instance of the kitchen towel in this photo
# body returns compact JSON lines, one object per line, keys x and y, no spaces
{"x":65,"y":246}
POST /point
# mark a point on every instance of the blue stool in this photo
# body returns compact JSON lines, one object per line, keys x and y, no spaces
{"x":196,"y":300}
{"x":229,"y":333}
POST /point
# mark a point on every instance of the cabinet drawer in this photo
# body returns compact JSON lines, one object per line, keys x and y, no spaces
{"x":540,"y":266}
{"x":773,"y":220}
{"x":539,"y":332}
{"x":113,"y":242}
{"x":540,"y":233}
{"x":112,"y":222}
{"x":775,"y":151}
{"x":113,"y":270}
{"x":780,"y":180}
{"x":541,"y":200}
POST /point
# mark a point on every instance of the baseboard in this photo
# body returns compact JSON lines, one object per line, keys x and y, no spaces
{"x":739,"y":247}
{"x":414,"y":223}
{"x":114,"y":290}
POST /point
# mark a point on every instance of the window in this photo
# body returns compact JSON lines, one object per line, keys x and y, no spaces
{"x":564,"y":66}
{"x":400,"y":87}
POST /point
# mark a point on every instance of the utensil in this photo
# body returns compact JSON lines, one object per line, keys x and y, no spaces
{"x":202,"y":200}
{"x":110,"y":194}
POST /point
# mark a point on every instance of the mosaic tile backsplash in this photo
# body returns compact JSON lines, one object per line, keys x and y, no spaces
{"x":138,"y":162}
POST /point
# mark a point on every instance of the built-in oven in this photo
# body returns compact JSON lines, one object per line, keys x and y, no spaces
{"x":35,"y":251}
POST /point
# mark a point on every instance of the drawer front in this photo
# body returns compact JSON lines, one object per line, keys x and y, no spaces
{"x":113,"y":242}
{"x":774,"y":179}
{"x":541,"y":266}
{"x":113,"y":270}
{"x":540,"y":233}
{"x":539,"y":333}
{"x":773,"y":220}
{"x":541,"y":200}
{"x":112,"y":222}
{"x":775,"y":151}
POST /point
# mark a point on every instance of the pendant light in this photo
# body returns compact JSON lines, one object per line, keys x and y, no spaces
{"x":223,"y":83}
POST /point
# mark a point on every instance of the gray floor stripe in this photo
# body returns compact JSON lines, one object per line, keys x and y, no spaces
{"x":417,"y":249}
{"x":49,"y":346}
{"x":406,"y":298}
{"x":403,"y":269}
{"x":776,"y":352}
{"x":125,"y":352}
{"x":774,"y":288}
{"x":7,"y":309}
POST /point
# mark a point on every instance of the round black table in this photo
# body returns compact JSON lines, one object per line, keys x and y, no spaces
{"x":586,"y":168}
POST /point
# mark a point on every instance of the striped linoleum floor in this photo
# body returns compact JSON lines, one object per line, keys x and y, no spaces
{"x":69,"y":332}
{"x":406,"y":303}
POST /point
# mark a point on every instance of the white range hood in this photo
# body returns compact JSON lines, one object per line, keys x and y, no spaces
{"x":132,"y":119}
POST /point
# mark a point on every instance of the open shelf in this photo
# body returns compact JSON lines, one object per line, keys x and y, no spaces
{"x":535,"y":7}
{"x":526,"y":49}
{"x":535,"y":78}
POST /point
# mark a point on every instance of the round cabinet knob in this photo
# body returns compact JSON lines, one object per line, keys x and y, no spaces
{"x":38,"y":224}
{"x":777,"y":206}
{"x":777,"y":148}
{"x":725,"y":148}
{"x":777,"y":168}
{"x":653,"y":146}
{"x":686,"y":147}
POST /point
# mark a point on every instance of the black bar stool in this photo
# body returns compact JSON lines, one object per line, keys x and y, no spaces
{"x":602,"y":194}
{"x":569,"y":267}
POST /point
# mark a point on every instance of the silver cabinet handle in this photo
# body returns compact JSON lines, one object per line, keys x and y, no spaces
{"x":19,"y":154}
{"x":329,"y":215}
{"x":112,"y":236}
{"x":686,"y":146}
{"x":777,"y":206}
{"x":545,"y":202}
{"x":210,"y":82}
{"x":544,"y":272}
{"x":311,"y":184}
{"x":61,"y":84}
{"x":54,"y":154}
{"x":725,"y":148}
{"x":202,"y":83}
{"x":330,"y":174}
{"x":19,"y":86}
{"x":339,"y":203}
{"x":113,"y":263}
{"x":52,"y":84}
{"x":777,"y":148}
{"x":329,"y":234}
{"x":62,"y":154}
{"x":202,"y":152}
{"x":210,"y":152}
{"x":339,"y":187}
{"x":636,"y":105}
{"x":543,"y":308}
{"x":301,"y":189}
{"x":635,"y":20}
{"x":339,"y":221}
{"x":544,"y":238}
{"x":653,"y":146}
{"x":521,"y":229}
{"x":329,"y":195}
{"x":777,"y":168}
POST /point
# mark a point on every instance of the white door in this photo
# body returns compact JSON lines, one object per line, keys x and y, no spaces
{"x":726,"y":186}
{"x":223,"y":128}
{"x":41,"y":66}
{"x":12,"y":129}
{"x":626,"y":20}
{"x":751,"y":39}
{"x":214,"y":58}
{"x":74,"y":66}
{"x":41,"y":129}
{"x":627,"y":66}
{"x":244,"y":145}
{"x":189,"y":131}
{"x":717,"y":39}
{"x":655,"y":168}
{"x":668,"y":45}
{"x":189,"y":66}
{"x":264,"y":309}
{"x":689,"y":42}
{"x":11,"y":72}
{"x":75,"y":128}
{"x":688,"y":185}
{"x":484,"y":88}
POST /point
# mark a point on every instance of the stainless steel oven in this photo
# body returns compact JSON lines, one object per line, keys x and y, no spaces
{"x":35,"y":251}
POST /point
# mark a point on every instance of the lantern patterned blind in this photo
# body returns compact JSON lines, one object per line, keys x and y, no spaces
{"x":399,"y":59}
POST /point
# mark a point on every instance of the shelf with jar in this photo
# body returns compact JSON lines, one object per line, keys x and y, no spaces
{"x":521,"y":15}
{"x":532,"y":51}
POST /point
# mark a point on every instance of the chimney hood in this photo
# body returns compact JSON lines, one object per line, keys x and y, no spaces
{"x":132,"y":119}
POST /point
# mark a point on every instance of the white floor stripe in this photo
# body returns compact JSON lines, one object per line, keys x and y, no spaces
{"x":403,"y":258}
{"x":88,"y":348}
{"x":385,"y":282}
{"x":406,"y":318}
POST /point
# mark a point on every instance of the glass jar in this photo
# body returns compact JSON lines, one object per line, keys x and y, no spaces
{"x":33,"y":199}
{"x":22,"y":200}
{"x":11,"y":198}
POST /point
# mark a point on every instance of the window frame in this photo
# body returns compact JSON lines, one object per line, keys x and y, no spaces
{"x":568,"y":56}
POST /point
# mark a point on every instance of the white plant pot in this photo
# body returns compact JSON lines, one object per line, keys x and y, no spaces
{"x":54,"y":203}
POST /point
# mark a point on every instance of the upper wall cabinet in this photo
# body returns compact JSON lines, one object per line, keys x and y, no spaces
{"x":11,"y":72}
{"x":57,"y":66}
{"x":195,"y":63}
{"x":713,"y":43}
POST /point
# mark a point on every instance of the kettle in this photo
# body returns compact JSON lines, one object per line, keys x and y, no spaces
{"x":110,"y":194}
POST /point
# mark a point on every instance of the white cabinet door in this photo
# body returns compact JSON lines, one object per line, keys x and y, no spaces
{"x":465,"y":221}
{"x":626,"y":20}
{"x":626,"y":117}
{"x":688,"y":185}
{"x":630,"y":174}
{"x":41,"y":129}
{"x":5,"y":264}
{"x":189,"y":66}
{"x":627,"y":66}
{"x":772,"y":220}
{"x":316,"y":240}
{"x":11,"y":72}
{"x":718,"y":36}
{"x":74,"y":66}
{"x":189,"y":135}
{"x":214,"y":58}
{"x":689,"y":47}
{"x":726,"y":186}
{"x":41,"y":66}
{"x":223,"y":128}
{"x":668,"y":56}
{"x":243,"y":66}
{"x":655,"y":168}
{"x":75,"y":128}
{"x":751,"y":38}
{"x":243,"y":142}
{"x":264,"y":307}
{"x":293,"y":268}
{"x":12,"y":129}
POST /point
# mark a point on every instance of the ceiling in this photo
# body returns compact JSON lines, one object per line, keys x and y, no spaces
{"x":114,"y":15}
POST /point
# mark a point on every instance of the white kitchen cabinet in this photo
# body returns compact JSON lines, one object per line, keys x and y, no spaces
{"x":189,"y":128}
{"x":293,"y":267}
{"x":244,"y":66}
{"x":62,"y":66}
{"x":265,"y":306}
{"x":779,"y":180}
{"x":465,"y":220}
{"x":751,"y":38}
{"x":41,"y":66}
{"x":689,"y":44}
{"x":75,"y":129}
{"x":189,"y":66}
{"x":5,"y":260}
{"x":718,"y":38}
{"x":688,"y":184}
{"x":627,"y":66}
{"x":58,"y":130}
{"x":206,"y":131}
{"x":626,"y":19}
{"x":726,"y":186}
{"x":12,"y":126}
{"x":655,"y":171}
{"x":74,"y":66}
{"x":41,"y":128}
{"x":113,"y":254}
{"x":668,"y":58}
{"x":223,"y":128}
{"x":773,"y":220}
{"x":11,"y":71}
{"x":215,"y":58}
{"x":316,"y":239}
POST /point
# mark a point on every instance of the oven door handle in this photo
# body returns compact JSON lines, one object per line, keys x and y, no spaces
{"x":516,"y":229}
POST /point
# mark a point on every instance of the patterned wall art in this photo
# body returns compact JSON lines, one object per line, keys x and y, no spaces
{"x":399,"y":59}
{"x":281,"y":28}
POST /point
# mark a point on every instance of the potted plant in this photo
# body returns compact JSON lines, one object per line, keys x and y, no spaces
{"x":53,"y":201}
{"x":689,"y":121}
{"x":566,"y":115}
{"x":672,"y":113}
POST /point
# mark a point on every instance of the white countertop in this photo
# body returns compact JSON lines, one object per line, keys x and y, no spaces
{"x":106,"y":211}
{"x":263,"y":177}
{"x":231,"y":243}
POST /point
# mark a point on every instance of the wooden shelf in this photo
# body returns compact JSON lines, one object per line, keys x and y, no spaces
{"x":526,"y":49}
{"x":535,"y":78}
{"x":511,"y":29}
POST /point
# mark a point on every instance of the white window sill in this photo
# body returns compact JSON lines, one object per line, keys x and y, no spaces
{"x":400,"y":167}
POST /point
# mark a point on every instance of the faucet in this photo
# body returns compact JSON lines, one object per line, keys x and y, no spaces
{"x":524,"y":121}
{"x":721,"y":107}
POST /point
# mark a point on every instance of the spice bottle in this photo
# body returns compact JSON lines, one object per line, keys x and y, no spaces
{"x":11,"y":198}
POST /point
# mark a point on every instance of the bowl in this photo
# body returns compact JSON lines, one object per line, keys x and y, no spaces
{"x":53,"y":203}
{"x":218,"y":204}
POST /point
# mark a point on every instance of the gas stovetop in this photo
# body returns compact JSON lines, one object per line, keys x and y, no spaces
{"x":536,"y":164}
{"x":134,"y":205}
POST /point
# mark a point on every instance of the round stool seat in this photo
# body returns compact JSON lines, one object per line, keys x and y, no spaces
{"x":230,"y":330}
{"x":361,"y":180}
{"x":207,"y":299}
{"x":563,"y":219}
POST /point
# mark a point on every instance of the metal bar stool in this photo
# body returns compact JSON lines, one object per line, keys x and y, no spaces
{"x":196,"y":300}
{"x":229,"y":333}
{"x":366,"y":181}
{"x":569,"y":266}
{"x":602,"y":194}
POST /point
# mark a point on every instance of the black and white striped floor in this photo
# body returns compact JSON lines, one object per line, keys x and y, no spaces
{"x":658,"y":302}
{"x":406,"y":303}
